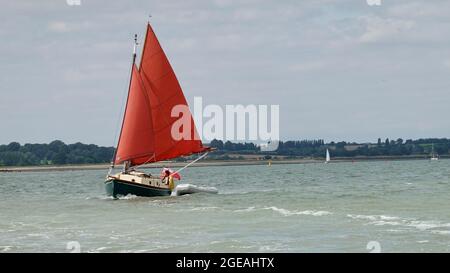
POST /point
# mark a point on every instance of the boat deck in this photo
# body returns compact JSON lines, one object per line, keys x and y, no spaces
{"x":141,"y":178}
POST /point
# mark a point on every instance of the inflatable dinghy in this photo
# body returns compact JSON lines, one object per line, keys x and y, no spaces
{"x":189,"y":188}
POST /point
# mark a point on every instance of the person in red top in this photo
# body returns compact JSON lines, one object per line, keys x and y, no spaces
{"x":166,"y":173}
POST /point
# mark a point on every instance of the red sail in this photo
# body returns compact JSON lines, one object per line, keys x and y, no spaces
{"x":164,"y":93}
{"x":136,"y":142}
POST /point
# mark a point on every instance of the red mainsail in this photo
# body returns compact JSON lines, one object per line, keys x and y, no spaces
{"x":165,"y":93}
{"x":154,"y":91}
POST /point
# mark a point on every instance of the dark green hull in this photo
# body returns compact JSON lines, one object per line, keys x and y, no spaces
{"x":115,"y":188}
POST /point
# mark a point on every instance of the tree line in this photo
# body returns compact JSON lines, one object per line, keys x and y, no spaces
{"x":317,"y":148}
{"x":59,"y":153}
{"x":54,"y":153}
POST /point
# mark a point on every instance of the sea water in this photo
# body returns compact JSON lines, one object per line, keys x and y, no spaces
{"x":381,"y":206}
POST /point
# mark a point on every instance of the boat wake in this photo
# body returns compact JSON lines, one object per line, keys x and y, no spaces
{"x":127,"y":197}
{"x":119,"y":197}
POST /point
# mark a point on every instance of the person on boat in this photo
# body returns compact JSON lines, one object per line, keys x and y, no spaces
{"x":166,"y":173}
{"x":126,"y":166}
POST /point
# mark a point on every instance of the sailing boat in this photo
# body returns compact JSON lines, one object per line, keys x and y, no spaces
{"x":434,"y":156}
{"x":146,"y":133}
{"x":327,"y":159}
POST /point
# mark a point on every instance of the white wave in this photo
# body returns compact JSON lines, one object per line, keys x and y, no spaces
{"x":98,"y":250}
{"x":384,"y":217}
{"x":102,"y":248}
{"x":38,"y":235}
{"x":381,"y":220}
{"x":362,"y":217}
{"x":144,"y":250}
{"x":384,"y":223}
{"x":315,"y":213}
{"x":267,"y":248}
{"x":395,"y":230}
{"x":127,"y":197}
{"x":106,"y":197}
{"x":204,"y":208}
{"x":5,"y":248}
{"x":425,"y":225}
{"x":373,"y":217}
{"x":198,"y":209}
{"x":101,"y":197}
{"x":245,"y":210}
{"x":286,"y":212}
{"x":441,"y":232}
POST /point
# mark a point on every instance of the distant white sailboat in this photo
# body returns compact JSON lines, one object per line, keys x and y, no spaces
{"x":328,"y":159}
{"x":434,"y":156}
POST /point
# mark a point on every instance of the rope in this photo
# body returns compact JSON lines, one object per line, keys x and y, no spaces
{"x":179,"y":170}
{"x":200,"y":157}
{"x":137,"y":166}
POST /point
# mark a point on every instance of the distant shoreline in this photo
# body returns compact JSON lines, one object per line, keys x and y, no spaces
{"x":207,"y":163}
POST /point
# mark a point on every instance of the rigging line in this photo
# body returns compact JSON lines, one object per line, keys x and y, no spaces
{"x":153,"y":157}
{"x":200,"y":157}
{"x":120,"y":114}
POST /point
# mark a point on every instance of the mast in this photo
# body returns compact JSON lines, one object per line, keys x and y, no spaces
{"x":128,"y":96}
{"x":434,"y":155}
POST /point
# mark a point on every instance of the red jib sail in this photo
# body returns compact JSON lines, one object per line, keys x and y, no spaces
{"x":159,"y":92}
{"x":136,"y":142}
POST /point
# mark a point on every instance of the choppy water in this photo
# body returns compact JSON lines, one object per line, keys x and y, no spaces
{"x":403,"y":206}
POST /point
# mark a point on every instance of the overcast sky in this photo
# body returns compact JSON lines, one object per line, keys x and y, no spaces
{"x":340,"y":70}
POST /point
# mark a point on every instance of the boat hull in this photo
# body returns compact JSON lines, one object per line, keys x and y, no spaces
{"x":115,"y":187}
